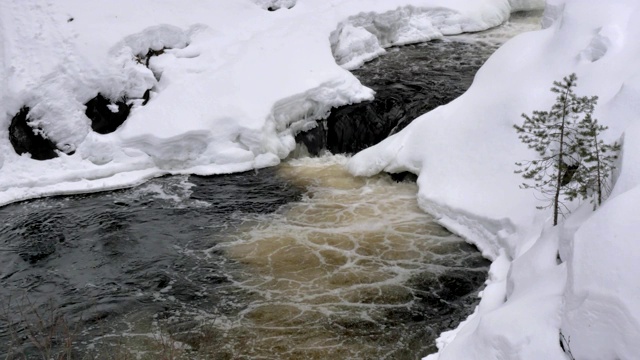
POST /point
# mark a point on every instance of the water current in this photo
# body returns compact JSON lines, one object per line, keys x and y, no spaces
{"x":301,"y":261}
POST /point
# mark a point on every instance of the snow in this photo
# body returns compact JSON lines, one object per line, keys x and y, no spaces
{"x":230,"y":86}
{"x":465,"y":152}
{"x":236,"y":83}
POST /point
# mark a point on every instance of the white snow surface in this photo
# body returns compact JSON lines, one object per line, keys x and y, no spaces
{"x":464,"y":153}
{"x":236,"y":82}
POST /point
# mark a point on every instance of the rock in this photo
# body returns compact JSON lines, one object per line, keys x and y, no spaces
{"x":404,"y":176}
{"x":409,"y":81}
{"x":315,"y":139}
{"x":352,"y":128}
{"x":105,"y":115}
{"x":25,"y":140}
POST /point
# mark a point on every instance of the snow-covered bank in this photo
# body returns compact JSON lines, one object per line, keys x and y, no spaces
{"x":229,"y":82}
{"x":465,"y":152}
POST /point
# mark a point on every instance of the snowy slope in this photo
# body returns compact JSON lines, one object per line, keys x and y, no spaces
{"x":465,"y":152}
{"x":234,"y":84}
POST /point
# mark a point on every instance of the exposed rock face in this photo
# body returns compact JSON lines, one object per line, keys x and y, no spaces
{"x":409,"y":81}
{"x":25,"y":139}
{"x":315,"y":139}
{"x":355,"y":127}
{"x":106,"y":116}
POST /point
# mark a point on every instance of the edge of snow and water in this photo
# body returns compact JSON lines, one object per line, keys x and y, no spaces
{"x":215,"y":109}
{"x":232,"y":87}
{"x":532,"y":296}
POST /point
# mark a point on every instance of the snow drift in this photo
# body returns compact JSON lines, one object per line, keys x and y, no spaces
{"x":213,"y":87}
{"x":465,"y":152}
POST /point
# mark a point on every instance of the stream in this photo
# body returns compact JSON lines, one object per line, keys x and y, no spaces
{"x":300,"y":261}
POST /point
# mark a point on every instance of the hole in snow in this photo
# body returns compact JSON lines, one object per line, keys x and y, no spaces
{"x":25,"y":139}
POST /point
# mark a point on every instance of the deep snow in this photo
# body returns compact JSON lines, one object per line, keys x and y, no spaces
{"x":239,"y":81}
{"x":235,"y":83}
{"x":592,"y":297}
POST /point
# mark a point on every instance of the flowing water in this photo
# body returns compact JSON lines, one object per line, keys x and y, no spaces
{"x":301,"y":261}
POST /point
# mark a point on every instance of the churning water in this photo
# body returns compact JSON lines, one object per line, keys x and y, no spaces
{"x":302,"y":261}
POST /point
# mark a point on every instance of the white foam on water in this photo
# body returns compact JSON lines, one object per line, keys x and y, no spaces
{"x":340,"y":257}
{"x":174,"y":192}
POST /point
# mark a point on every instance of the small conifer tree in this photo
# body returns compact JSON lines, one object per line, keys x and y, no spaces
{"x":573,"y":161}
{"x":598,"y":161}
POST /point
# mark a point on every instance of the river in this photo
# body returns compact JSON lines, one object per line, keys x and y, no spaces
{"x":300,"y":261}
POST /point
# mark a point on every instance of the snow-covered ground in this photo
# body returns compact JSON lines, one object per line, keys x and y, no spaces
{"x":465,"y":154}
{"x":238,"y":81}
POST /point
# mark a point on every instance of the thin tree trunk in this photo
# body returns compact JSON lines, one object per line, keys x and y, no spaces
{"x":595,"y":138}
{"x":556,"y":200}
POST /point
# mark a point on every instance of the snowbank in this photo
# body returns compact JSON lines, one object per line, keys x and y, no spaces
{"x":228,"y":83}
{"x":465,"y":152}
{"x":231,"y":83}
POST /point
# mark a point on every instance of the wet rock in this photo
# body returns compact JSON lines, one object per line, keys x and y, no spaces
{"x":355,"y":127}
{"x":25,"y":139}
{"x":408,"y":82}
{"x":105,"y":115}
{"x":404,"y":176}
{"x":315,"y":139}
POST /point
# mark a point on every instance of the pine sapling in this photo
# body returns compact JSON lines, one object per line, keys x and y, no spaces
{"x":574,"y":161}
{"x":551,"y":134}
{"x":598,"y":159}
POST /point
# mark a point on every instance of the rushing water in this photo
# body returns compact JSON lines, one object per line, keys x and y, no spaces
{"x":302,"y":261}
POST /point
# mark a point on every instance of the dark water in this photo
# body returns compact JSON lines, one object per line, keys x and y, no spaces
{"x":101,"y":256}
{"x":299,"y":262}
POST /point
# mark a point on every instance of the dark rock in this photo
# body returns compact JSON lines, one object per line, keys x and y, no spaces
{"x":315,"y":139}
{"x":144,"y":59}
{"x":146,"y":96}
{"x":103,"y":120}
{"x":404,"y":176}
{"x":355,"y":127}
{"x":408,"y":83}
{"x":25,"y":140}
